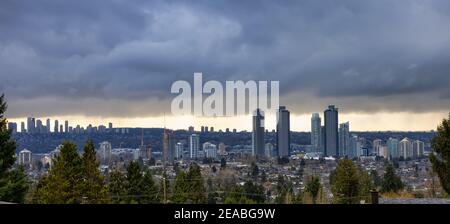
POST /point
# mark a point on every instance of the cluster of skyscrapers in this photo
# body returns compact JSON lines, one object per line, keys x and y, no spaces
{"x":330,"y":139}
{"x":325,"y":139}
{"x":36,"y":126}
{"x":405,"y":148}
{"x":283,"y":139}
{"x":333,"y":140}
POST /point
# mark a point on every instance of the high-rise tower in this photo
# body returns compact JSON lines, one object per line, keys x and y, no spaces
{"x":283,"y":132}
{"x":331,"y":145}
{"x":258,"y":134}
{"x":316,"y":135}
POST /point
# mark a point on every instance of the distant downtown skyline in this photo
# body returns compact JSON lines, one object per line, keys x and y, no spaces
{"x":359,"y":122}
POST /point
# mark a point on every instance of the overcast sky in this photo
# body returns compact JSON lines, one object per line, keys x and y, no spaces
{"x":118,"y":59}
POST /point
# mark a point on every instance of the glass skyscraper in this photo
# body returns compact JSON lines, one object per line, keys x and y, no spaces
{"x":258,"y":134}
{"x":283,"y":132}
{"x":316,"y":135}
{"x":331,"y":146}
{"x":30,"y":125}
{"x":393,"y":150}
{"x":344,"y":139}
{"x":194,"y":144}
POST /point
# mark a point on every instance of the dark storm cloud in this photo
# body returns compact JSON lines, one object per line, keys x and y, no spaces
{"x":364,"y":55}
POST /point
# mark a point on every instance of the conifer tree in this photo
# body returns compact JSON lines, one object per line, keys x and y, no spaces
{"x":365,"y":185}
{"x":189,"y":187}
{"x":150,"y":190}
{"x":139,"y":185}
{"x":237,"y":195}
{"x":376,"y":179}
{"x":7,"y":145}
{"x":134,"y":182}
{"x":14,"y":186}
{"x":180,"y":188}
{"x":196,"y":187}
{"x":345,"y":183}
{"x":440,"y":158}
{"x":64,"y":182}
{"x":285,"y":191}
{"x":390,"y":181}
{"x":117,"y":187}
{"x":312,"y":187}
{"x":254,"y":192}
{"x":94,"y":188}
{"x":13,"y":182}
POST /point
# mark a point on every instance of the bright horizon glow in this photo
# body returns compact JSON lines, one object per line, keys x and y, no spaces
{"x":382,"y":121}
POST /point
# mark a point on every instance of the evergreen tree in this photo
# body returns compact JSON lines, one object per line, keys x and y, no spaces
{"x":180,"y":188}
{"x":196,"y":186}
{"x":390,"y":181}
{"x":13,"y":186}
{"x":254,"y":192}
{"x":345,"y":183}
{"x":312,"y":187}
{"x":237,"y":195}
{"x":263,"y":177}
{"x":211,"y":198}
{"x":282,"y":184}
{"x":440,"y":158}
{"x":254,"y":170}
{"x":189,"y":187}
{"x":223,"y":163}
{"x":118,"y":187}
{"x":365,"y":185}
{"x":135,"y":184}
{"x":285,"y":191}
{"x":301,"y":168}
{"x":150,"y":191}
{"x":13,"y":182}
{"x":94,"y":189}
{"x":376,"y":179}
{"x":7,"y":145}
{"x":286,"y":197}
{"x":64,"y":182}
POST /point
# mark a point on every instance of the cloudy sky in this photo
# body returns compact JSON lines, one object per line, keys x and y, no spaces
{"x":385,"y":64}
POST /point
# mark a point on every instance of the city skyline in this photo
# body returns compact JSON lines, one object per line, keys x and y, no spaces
{"x":119,"y":67}
{"x":329,"y":140}
{"x":298,"y":122}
